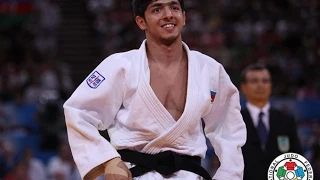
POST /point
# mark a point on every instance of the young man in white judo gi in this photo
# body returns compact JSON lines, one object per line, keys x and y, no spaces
{"x":151,"y":101}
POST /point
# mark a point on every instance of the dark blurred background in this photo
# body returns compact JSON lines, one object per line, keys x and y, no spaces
{"x":48,"y":47}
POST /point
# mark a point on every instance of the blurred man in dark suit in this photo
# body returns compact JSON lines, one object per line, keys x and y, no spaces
{"x":270,"y":132}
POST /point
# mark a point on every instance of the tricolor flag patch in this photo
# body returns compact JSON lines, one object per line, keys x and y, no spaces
{"x":213,"y":95}
{"x":95,"y":79}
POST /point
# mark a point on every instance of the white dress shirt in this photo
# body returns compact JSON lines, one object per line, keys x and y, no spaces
{"x":254,"y":113}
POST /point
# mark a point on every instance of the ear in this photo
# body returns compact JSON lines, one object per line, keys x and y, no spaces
{"x":141,"y":23}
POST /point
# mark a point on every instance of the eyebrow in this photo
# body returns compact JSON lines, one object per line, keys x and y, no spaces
{"x":157,"y":4}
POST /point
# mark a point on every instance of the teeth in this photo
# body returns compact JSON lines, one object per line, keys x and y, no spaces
{"x":168,"y":26}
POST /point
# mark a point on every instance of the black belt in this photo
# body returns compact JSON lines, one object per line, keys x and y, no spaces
{"x":165,"y":163}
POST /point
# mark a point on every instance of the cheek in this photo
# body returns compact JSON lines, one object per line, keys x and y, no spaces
{"x":252,"y":88}
{"x":248,"y":90}
{"x":269,"y":89}
{"x":150,"y":23}
{"x":252,"y":91}
{"x":182,"y":19}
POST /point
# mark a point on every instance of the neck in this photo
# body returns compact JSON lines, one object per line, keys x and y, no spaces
{"x":165,"y":54}
{"x":259,"y":104}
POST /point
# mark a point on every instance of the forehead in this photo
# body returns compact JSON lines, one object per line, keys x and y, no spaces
{"x":163,"y":2}
{"x":258,"y":73}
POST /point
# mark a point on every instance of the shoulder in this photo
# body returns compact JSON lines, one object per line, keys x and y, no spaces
{"x":244,"y":110}
{"x":117,"y":61}
{"x":207,"y":65}
{"x":205,"y":59}
{"x":122,"y":57}
{"x":281,"y":114}
{"x":245,"y":113}
{"x":278,"y":112}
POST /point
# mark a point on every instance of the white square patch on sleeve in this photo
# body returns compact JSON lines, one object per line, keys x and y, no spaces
{"x":95,"y":79}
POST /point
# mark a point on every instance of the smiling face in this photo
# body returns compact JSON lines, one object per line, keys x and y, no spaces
{"x":163,"y":21}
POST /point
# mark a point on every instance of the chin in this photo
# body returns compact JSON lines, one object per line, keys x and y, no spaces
{"x":169,"y":40}
{"x":262,"y":99}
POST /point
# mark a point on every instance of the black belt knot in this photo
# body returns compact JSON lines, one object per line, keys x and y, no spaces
{"x":165,"y":163}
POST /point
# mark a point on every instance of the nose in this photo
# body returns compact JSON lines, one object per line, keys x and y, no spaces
{"x":167,"y":13}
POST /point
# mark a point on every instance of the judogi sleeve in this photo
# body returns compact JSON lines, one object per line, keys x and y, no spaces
{"x":225,"y":128}
{"x":92,"y":107}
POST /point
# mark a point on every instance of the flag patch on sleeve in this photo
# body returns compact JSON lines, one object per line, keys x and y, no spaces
{"x":213,"y":95}
{"x":95,"y":79}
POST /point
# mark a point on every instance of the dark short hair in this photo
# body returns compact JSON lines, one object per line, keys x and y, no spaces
{"x":140,"y":6}
{"x":252,"y":67}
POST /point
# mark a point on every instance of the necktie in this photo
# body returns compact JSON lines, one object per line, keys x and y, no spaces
{"x":262,"y":130}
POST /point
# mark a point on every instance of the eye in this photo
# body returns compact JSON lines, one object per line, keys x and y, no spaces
{"x":156,"y":10}
{"x":176,"y":8}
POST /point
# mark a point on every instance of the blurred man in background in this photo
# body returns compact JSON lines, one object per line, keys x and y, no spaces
{"x":270,"y":132}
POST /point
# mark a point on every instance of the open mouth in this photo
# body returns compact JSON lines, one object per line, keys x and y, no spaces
{"x":168,"y":26}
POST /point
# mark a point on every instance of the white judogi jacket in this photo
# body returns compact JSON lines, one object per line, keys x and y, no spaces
{"x":117,"y":96}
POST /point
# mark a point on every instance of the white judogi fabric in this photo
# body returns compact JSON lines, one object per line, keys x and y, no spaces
{"x":125,"y":104}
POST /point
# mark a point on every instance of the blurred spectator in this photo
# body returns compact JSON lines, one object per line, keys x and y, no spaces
{"x":16,"y":76}
{"x":45,"y":43}
{"x":19,"y":172}
{"x":307,"y":91}
{"x":52,"y":126}
{"x":31,"y":78}
{"x":49,"y":20}
{"x":36,"y":169}
{"x":33,"y":91}
{"x":23,"y":115}
{"x":6,"y":120}
{"x":98,"y":6}
{"x":62,"y":166}
{"x":8,"y":156}
{"x":49,"y":16}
